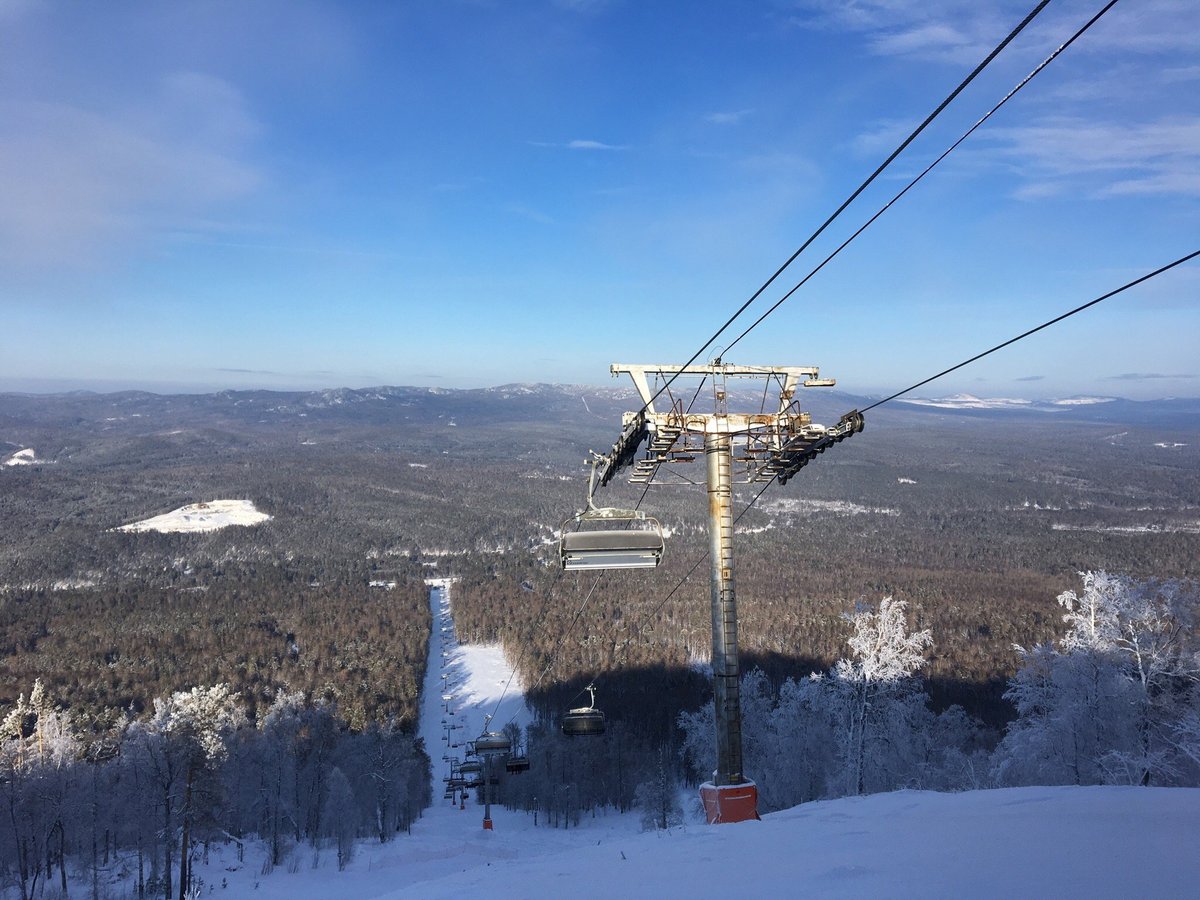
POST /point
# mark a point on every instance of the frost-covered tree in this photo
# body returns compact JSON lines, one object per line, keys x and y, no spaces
{"x":342,"y":816}
{"x":38,"y":789}
{"x":1107,"y":704}
{"x":658,"y":796}
{"x":180,"y":747}
{"x":865,"y":726}
{"x":881,"y":708}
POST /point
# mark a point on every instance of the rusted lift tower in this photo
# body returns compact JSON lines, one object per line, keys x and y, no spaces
{"x":737,"y":447}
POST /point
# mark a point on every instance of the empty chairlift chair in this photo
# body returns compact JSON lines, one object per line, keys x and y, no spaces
{"x":636,"y":541}
{"x":492,"y":743}
{"x":609,"y":538}
{"x":584,"y":720}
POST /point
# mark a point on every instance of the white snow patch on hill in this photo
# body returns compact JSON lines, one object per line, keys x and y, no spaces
{"x":196,"y":517}
{"x":1180,"y":528}
{"x":1082,"y":401}
{"x":968,"y":401}
{"x":24,"y":457}
{"x":803,"y":506}
{"x":1169,"y":445}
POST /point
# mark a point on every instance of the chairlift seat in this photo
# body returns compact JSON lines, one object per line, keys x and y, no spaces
{"x":634,"y":548}
{"x":585,"y":720}
{"x":492,"y":743}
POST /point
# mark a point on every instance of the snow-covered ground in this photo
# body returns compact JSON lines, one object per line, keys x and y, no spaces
{"x":1093,"y":842}
{"x":806,"y":507}
{"x":24,"y":457}
{"x":202,"y":517}
{"x":969,"y":401}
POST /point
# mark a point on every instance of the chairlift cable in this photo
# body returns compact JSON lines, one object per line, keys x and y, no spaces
{"x":578,"y":613}
{"x":862,"y":187}
{"x":1026,"y":334}
{"x":1042,"y":65}
{"x":979,"y":356}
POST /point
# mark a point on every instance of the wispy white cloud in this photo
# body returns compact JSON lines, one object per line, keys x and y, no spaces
{"x":533,"y":215}
{"x":1058,"y":153}
{"x":578,"y":144}
{"x":593,"y":145}
{"x":947,"y":31}
{"x":731,"y":117}
{"x":77,"y":180}
{"x":962,"y":31}
{"x":1144,"y":376}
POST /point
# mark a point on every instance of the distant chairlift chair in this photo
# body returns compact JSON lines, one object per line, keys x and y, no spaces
{"x":584,"y":720}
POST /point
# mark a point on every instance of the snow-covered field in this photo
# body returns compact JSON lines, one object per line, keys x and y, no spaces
{"x":969,"y":401}
{"x":202,"y":517}
{"x":24,"y":457}
{"x":807,"y":507}
{"x":1093,"y":842}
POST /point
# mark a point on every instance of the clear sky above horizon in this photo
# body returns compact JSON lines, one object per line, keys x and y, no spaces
{"x":207,"y":195}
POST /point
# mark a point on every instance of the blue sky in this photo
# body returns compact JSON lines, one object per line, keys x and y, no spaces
{"x":196,"y":196}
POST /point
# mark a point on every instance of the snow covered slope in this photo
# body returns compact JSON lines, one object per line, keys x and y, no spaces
{"x":24,"y":457}
{"x":202,"y":517}
{"x":1018,"y":842}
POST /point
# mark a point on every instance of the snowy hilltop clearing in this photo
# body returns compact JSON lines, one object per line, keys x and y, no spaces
{"x":24,"y":457}
{"x":197,"y":517}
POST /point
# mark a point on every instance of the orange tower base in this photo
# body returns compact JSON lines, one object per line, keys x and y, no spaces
{"x":729,"y":802}
{"x":487,"y":824}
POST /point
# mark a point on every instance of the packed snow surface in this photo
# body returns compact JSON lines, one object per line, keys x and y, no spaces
{"x":196,"y":517}
{"x":1094,"y":842}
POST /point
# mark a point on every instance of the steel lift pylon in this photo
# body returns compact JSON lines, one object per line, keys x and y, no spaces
{"x":742,"y":447}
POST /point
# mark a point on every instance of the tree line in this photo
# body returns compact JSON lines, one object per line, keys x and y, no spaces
{"x":136,"y":807}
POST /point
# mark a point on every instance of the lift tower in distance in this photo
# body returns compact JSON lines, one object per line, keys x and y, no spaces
{"x":745,"y":448}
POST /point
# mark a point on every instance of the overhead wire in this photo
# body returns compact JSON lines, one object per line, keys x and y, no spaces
{"x":1171,"y":265}
{"x":1030,"y":16}
{"x":979,"y":123}
{"x":904,"y":144}
{"x":1024,"y":81}
{"x":524,"y":649}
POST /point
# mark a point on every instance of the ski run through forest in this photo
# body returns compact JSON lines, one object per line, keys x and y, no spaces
{"x":299,"y":807}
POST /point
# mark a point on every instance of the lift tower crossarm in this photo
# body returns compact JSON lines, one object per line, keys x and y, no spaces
{"x":791,"y":375}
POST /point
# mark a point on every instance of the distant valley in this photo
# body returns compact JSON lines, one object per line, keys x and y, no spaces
{"x":977,"y":513}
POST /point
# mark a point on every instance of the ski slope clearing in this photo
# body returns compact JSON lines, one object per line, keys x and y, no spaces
{"x":24,"y":457}
{"x":196,"y":517}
